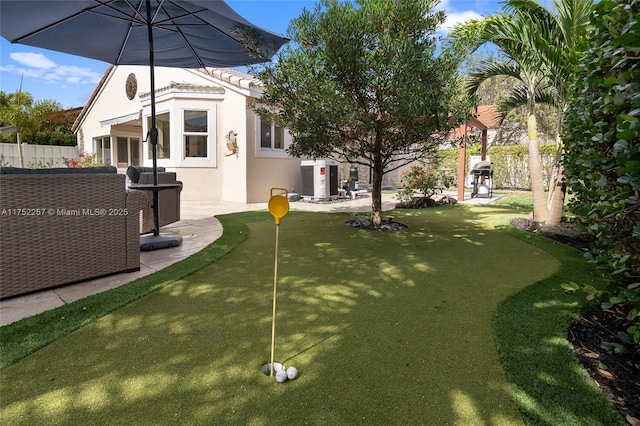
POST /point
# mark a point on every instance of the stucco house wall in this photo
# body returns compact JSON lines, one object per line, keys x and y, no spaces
{"x":110,"y":119}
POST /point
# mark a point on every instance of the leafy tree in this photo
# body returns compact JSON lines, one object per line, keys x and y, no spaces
{"x":19,"y":110}
{"x":602,"y":159}
{"x":60,"y":121}
{"x":541,"y":48}
{"x":361,"y":83}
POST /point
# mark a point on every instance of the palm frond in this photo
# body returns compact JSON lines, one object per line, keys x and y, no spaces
{"x":518,"y":98}
{"x":491,"y":68}
{"x":547,"y":96}
{"x":465,"y":38}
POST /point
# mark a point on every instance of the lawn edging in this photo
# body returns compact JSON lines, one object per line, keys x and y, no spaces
{"x":28,"y":335}
{"x":549,"y":383}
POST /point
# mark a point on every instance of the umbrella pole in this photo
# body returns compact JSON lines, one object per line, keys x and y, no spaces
{"x":273,"y":320}
{"x":155,"y":241}
{"x":154,"y":130}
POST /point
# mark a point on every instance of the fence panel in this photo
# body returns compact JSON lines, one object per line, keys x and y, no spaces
{"x":36,"y":156}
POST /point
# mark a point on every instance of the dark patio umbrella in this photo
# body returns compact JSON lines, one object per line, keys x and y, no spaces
{"x":170,"y":33}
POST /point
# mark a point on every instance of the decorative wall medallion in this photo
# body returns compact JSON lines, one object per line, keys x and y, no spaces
{"x":131,"y":86}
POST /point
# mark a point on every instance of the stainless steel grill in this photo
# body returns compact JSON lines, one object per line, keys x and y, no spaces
{"x":482,"y":179}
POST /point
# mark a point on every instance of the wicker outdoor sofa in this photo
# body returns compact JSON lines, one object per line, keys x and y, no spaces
{"x":59,"y":226}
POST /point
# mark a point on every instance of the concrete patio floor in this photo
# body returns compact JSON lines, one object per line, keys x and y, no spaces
{"x":198,"y":228}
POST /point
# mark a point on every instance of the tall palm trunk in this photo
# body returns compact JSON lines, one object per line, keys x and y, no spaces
{"x":557,"y":191}
{"x":20,"y":156}
{"x":535,"y":169}
{"x":557,"y":186}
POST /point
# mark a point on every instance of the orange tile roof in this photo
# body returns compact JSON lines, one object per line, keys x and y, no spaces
{"x":489,"y":116}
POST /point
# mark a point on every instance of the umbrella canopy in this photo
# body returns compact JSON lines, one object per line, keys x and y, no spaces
{"x":186,"y":34}
{"x":169,"y":33}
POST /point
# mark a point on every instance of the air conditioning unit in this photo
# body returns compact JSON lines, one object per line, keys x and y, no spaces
{"x":319,"y":179}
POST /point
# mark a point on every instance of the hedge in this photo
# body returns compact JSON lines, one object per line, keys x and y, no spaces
{"x":43,"y":138}
{"x":510,"y":164}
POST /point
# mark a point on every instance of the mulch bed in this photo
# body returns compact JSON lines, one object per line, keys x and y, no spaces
{"x":386,"y":225}
{"x":617,"y":376}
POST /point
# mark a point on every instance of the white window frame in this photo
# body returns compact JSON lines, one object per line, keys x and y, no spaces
{"x":271,"y":152}
{"x":132,"y":139}
{"x":100,"y":151}
{"x":185,"y":133}
{"x":211,"y":108}
{"x":147,"y":137}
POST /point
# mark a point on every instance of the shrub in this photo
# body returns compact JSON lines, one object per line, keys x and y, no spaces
{"x":602,"y":159}
{"x":84,"y":160}
{"x":425,"y":180}
{"x":510,"y":164}
{"x":42,"y":138}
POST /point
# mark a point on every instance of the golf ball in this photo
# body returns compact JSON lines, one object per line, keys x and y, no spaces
{"x":281,"y":376}
{"x":292,"y":373}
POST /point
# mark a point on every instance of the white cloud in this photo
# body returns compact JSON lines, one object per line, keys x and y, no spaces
{"x":27,"y":72}
{"x":456,"y":18}
{"x":78,"y":75}
{"x":37,"y":65}
{"x":442,"y":5}
{"x":32,"y":60}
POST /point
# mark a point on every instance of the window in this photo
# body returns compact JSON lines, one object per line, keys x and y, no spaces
{"x":128,"y":151}
{"x":164,"y":136}
{"x":123,"y":152}
{"x":102,"y":148}
{"x":271,"y":136}
{"x":195,"y":133}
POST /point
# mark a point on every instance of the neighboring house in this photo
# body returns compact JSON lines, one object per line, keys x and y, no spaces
{"x":208,"y":133}
{"x":7,"y":130}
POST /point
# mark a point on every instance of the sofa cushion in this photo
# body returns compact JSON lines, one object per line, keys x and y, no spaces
{"x":134,"y":172}
{"x":57,"y":171}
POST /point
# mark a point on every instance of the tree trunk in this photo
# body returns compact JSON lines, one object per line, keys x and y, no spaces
{"x":535,"y":169}
{"x":557,"y":186}
{"x":20,"y":156}
{"x":376,"y":192}
{"x":557,"y":191}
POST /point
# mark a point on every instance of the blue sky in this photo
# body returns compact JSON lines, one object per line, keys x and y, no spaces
{"x":70,"y":80}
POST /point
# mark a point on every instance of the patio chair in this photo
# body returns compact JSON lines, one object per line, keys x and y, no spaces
{"x":168,"y":200}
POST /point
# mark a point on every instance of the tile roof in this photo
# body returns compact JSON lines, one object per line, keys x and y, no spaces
{"x":186,"y":87}
{"x":489,"y":116}
{"x":235,"y":77}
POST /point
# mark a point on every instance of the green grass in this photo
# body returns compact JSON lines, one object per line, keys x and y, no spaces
{"x":24,"y":337}
{"x":518,"y":200}
{"x":531,"y":334}
{"x":385,"y":328}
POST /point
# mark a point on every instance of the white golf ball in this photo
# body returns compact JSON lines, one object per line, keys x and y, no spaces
{"x":292,"y":373}
{"x":281,"y":376}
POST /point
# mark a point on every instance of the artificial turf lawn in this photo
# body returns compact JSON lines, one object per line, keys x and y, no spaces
{"x":385,"y":328}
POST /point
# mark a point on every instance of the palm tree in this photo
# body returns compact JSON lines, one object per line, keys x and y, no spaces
{"x":540,"y":48}
{"x":560,"y":43}
{"x":19,"y":110}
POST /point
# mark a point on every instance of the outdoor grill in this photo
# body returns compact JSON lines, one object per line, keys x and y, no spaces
{"x":482,"y":173}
